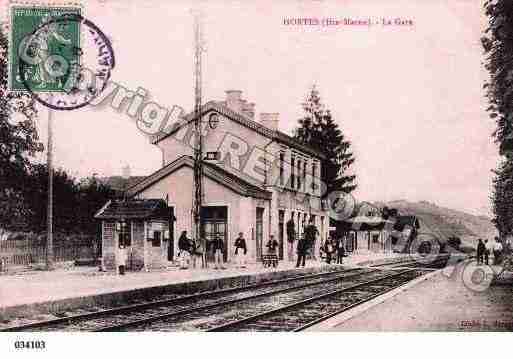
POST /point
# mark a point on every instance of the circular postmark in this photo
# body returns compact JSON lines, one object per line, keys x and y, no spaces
{"x":341,"y":205}
{"x":68,"y":57}
{"x":477,"y":277}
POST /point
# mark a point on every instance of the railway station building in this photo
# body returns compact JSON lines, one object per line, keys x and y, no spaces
{"x":255,"y":179}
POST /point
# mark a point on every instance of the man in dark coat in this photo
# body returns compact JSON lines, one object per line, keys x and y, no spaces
{"x":328,"y":249}
{"x":310,"y":235}
{"x":302,"y":248}
{"x":218,"y":249}
{"x":291,"y":237}
{"x":240,"y":251}
{"x":340,"y":250}
{"x":184,"y":245}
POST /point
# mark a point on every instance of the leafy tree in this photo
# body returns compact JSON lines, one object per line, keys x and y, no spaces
{"x":92,"y":195}
{"x":19,"y":143}
{"x":319,"y":130}
{"x":498,"y":49}
{"x":75,"y":202}
{"x":502,"y":197}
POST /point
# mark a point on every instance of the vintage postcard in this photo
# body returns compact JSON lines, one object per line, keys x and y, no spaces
{"x":255,"y":166}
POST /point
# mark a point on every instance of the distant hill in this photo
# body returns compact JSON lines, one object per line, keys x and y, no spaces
{"x":444,"y":222}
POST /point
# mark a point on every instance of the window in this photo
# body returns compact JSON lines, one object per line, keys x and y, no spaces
{"x":292,"y":168}
{"x":314,"y":174}
{"x":156,"y":240}
{"x":298,"y":174}
{"x":125,"y":234}
{"x":282,"y":159}
{"x":375,"y":238}
{"x":304,"y":175}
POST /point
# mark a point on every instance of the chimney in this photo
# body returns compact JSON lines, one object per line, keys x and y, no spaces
{"x":270,"y":120}
{"x":248,"y":109}
{"x":126,"y":172}
{"x":233,"y":100}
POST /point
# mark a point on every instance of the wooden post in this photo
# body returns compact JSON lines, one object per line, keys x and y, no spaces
{"x":49,"y":222}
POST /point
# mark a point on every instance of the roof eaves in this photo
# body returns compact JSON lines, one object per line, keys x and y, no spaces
{"x":245,"y":121}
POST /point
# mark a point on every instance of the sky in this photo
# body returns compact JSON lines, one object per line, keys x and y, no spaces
{"x":409,"y":98}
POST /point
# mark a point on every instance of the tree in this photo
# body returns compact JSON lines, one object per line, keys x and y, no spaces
{"x":19,"y":143}
{"x":318,"y":130}
{"x":75,"y":202}
{"x":498,"y":50}
{"x":502,"y":198}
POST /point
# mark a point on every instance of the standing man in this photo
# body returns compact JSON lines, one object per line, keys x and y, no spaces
{"x":218,"y":248}
{"x":311,"y":233}
{"x":340,"y":250}
{"x":240,"y":251}
{"x":184,"y":246}
{"x":122,"y":256}
{"x":488,"y":250}
{"x":497,"y":251}
{"x":271,"y":245}
{"x":194,"y":251}
{"x":291,"y":237}
{"x":328,"y":249}
{"x":302,"y":247}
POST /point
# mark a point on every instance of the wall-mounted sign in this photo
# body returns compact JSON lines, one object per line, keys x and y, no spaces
{"x":213,"y":156}
{"x":213,"y":121}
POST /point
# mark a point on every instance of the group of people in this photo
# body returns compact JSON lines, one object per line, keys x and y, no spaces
{"x":190,"y":250}
{"x":334,"y":248}
{"x":484,"y":249}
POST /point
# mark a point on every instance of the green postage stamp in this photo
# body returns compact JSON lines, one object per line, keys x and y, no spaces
{"x":44,"y":47}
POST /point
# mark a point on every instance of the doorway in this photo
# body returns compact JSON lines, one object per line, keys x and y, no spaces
{"x":281,"y":232}
{"x":215,"y":221}
{"x":171,"y":244}
{"x":259,"y":235}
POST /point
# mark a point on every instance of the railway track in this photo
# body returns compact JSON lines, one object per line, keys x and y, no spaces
{"x":305,"y":313}
{"x":228,"y":309}
{"x":123,"y":317}
{"x":213,"y":318}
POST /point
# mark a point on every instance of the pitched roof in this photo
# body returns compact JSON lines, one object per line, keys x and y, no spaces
{"x":275,"y":135}
{"x":235,"y":181}
{"x":134,"y":209}
{"x":120,"y":183}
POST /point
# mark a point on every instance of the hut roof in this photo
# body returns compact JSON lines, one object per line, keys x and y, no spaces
{"x":134,"y":209}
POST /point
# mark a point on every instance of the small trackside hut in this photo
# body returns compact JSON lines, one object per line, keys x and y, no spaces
{"x":144,"y":228}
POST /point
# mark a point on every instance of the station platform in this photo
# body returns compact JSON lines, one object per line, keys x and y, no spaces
{"x":442,"y":301}
{"x":32,"y":292}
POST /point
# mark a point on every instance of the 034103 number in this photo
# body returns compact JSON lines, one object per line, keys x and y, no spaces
{"x":30,"y":344}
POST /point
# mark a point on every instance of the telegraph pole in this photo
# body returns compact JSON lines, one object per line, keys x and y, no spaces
{"x":49,"y":213}
{"x":198,"y":150}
